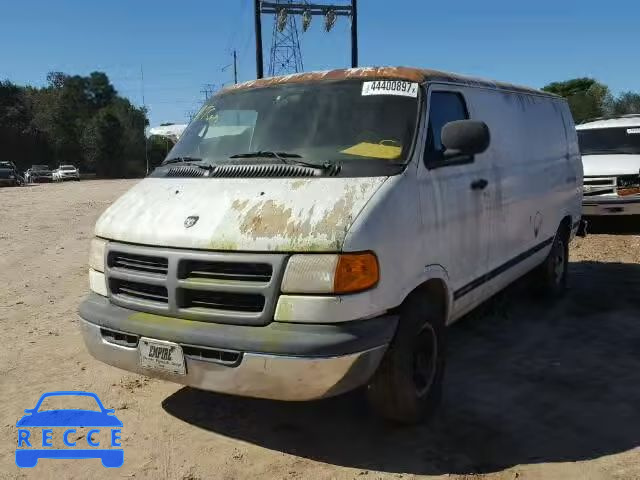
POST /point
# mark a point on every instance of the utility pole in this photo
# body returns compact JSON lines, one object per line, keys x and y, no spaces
{"x":207,"y":90}
{"x":235,"y":67}
{"x":258,"y":28}
{"x":144,"y":129}
{"x":354,"y":33}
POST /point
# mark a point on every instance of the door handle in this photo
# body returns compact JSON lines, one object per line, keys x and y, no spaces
{"x":479,"y":184}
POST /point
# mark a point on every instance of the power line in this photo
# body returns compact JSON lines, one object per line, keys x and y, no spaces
{"x":207,"y":90}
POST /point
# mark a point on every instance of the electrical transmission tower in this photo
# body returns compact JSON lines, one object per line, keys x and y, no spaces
{"x":285,"y":44}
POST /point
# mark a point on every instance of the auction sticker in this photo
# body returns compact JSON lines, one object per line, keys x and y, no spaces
{"x":390,"y":87}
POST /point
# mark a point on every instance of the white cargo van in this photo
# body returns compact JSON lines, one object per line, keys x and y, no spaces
{"x":610,"y":150}
{"x":315,"y":233}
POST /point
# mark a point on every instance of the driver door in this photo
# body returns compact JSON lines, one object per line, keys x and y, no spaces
{"x":455,"y":203}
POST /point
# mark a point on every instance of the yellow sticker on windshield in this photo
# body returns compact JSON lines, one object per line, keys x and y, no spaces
{"x":375,"y":150}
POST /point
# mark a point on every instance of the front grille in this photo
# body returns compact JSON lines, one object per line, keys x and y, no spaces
{"x":139,"y":263}
{"x":222,"y":287}
{"x":234,"y":271}
{"x":137,"y":290}
{"x":599,"y":185}
{"x":239,"y":302}
{"x":628,"y":181}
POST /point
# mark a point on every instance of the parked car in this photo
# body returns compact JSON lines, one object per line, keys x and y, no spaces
{"x":610,"y":150}
{"x":9,"y":175}
{"x":38,"y":173}
{"x":314,"y":233}
{"x":66,"y":172}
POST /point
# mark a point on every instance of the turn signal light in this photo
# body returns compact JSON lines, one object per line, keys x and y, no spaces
{"x":623,"y":192}
{"x":356,"y":272}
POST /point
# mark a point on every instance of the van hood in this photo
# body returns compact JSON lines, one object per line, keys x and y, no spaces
{"x":610,"y":165}
{"x":312,"y":214}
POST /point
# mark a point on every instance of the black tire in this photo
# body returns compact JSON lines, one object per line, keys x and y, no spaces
{"x":407,"y":387}
{"x":553,"y":272}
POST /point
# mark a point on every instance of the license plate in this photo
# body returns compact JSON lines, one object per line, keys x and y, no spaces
{"x":161,"y":355}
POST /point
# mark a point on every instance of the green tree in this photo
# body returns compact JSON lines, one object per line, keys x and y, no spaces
{"x":157,"y":149}
{"x":74,"y":119}
{"x":21,"y":141}
{"x":587,"y":97}
{"x":100,"y":92}
{"x":626,"y":103}
{"x":102,"y":145}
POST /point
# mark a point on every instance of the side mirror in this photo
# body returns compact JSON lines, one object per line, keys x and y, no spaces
{"x":464,"y":138}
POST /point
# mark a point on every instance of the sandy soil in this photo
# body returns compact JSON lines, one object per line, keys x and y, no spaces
{"x":534,"y":390}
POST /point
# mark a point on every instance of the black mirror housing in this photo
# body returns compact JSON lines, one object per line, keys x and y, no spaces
{"x":465,"y":138}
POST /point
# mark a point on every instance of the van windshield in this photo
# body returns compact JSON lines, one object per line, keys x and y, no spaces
{"x":319,"y":123}
{"x":603,"y":141}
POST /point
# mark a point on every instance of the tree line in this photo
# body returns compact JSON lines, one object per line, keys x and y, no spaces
{"x":589,"y":99}
{"x":73,"y":120}
{"x":83,"y":121}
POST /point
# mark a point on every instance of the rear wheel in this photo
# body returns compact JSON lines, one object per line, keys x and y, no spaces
{"x":407,"y":387}
{"x":552,"y":274}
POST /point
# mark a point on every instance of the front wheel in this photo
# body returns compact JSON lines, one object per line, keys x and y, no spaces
{"x":407,"y":386}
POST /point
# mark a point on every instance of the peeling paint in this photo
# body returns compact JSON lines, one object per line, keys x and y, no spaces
{"x":239,"y":204}
{"x":266,"y":219}
{"x":296,"y":184}
{"x":314,"y":216}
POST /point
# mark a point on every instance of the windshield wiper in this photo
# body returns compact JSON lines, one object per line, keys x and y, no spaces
{"x":182,"y":160}
{"x":284,"y":157}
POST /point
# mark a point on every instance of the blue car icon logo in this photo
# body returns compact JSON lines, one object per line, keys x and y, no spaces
{"x":32,"y":446}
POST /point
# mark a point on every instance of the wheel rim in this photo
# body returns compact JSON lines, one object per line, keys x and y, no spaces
{"x":559,"y":261}
{"x":425,"y":360}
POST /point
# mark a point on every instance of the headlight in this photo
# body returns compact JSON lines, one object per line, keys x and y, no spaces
{"x":96,"y":254}
{"x":331,"y":273}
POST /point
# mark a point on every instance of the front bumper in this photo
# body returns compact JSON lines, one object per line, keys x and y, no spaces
{"x":68,"y":176}
{"x":277,"y":361}
{"x":610,"y":205}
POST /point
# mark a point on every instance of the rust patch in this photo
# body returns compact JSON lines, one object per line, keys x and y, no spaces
{"x":393,"y":73}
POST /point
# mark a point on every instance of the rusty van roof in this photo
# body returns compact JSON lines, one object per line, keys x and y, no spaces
{"x":418,"y":75}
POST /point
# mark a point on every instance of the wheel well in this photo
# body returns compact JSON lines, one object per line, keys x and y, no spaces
{"x":436,"y":291}
{"x":565,"y":226}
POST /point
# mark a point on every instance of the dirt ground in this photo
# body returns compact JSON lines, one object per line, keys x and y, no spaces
{"x":533,"y":390}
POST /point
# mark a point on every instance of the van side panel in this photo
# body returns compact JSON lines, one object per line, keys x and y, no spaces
{"x":536,"y":179}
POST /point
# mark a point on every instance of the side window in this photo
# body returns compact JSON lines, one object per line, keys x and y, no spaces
{"x":444,"y":107}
